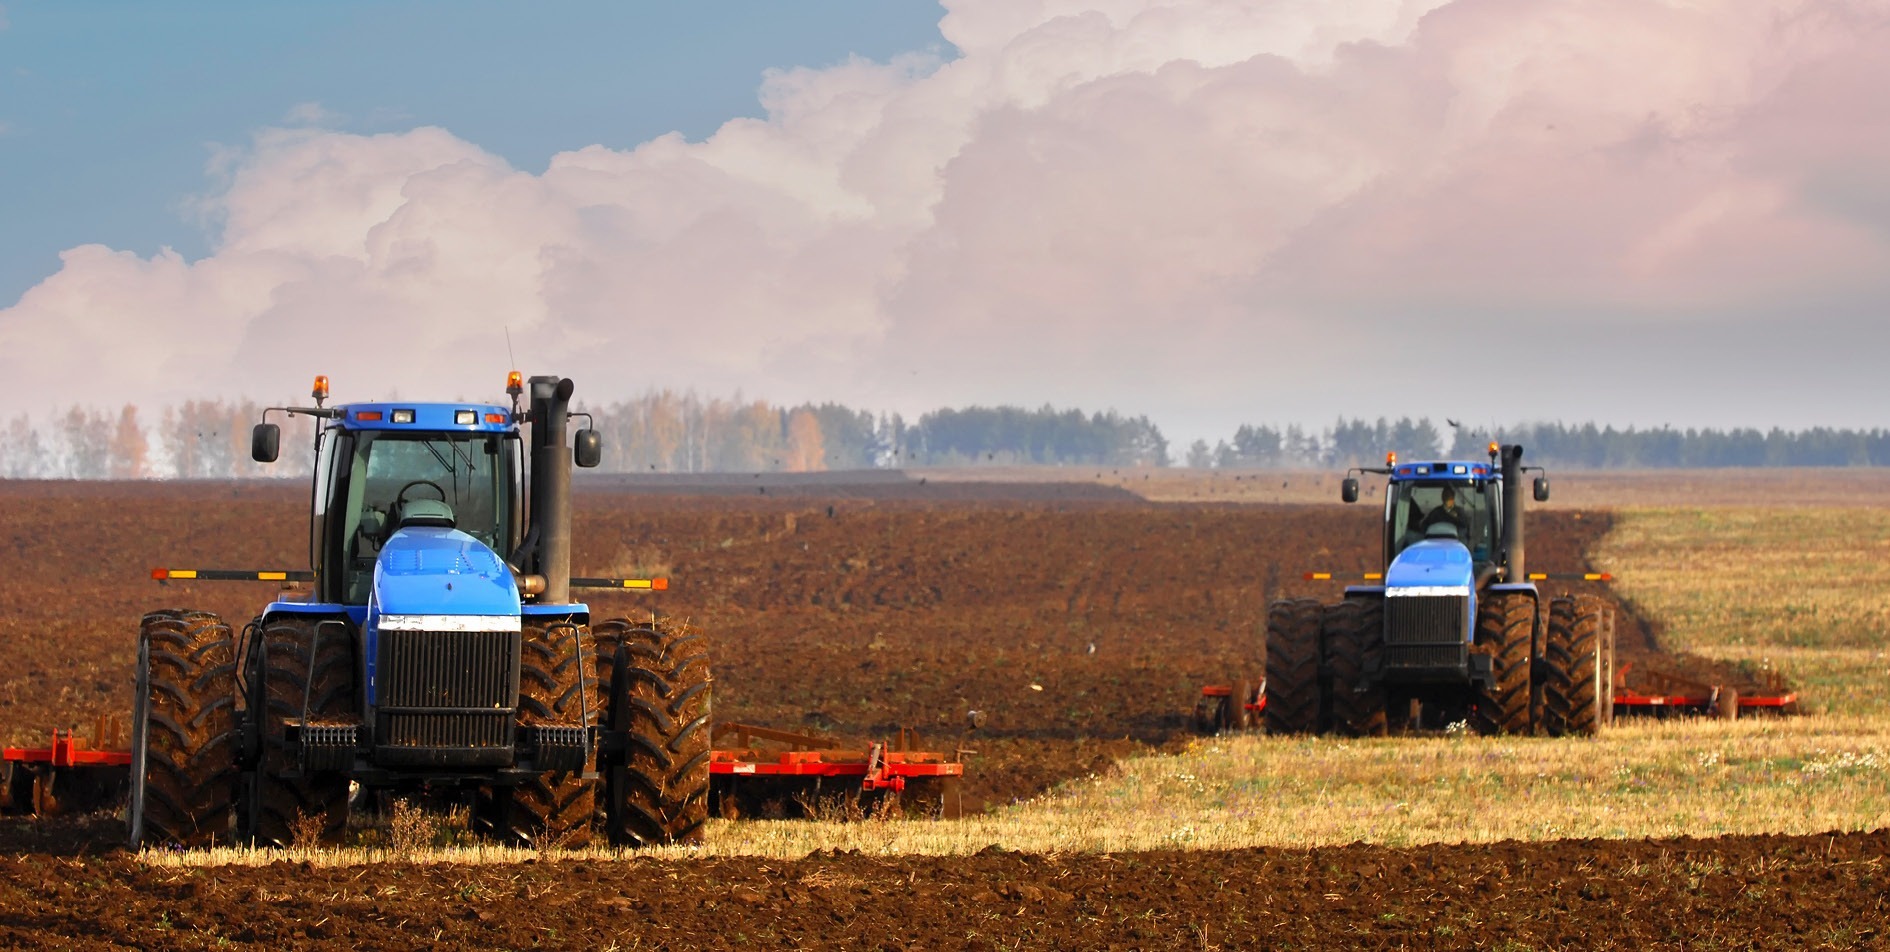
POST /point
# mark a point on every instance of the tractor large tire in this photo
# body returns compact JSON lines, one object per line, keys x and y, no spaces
{"x":1506,"y":623}
{"x":183,"y":777}
{"x":1294,"y":691}
{"x":557,"y":687}
{"x":301,"y":667}
{"x":1573,"y":689}
{"x":657,"y":790}
{"x":1354,"y":634}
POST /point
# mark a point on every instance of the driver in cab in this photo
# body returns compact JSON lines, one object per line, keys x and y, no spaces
{"x":1446,"y":513}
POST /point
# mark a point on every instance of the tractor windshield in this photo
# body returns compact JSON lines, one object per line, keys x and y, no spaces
{"x":1454,"y":510}
{"x":393,"y":477}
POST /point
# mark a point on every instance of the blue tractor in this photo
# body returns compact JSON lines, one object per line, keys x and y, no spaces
{"x":1452,"y":630}
{"x":435,"y":649}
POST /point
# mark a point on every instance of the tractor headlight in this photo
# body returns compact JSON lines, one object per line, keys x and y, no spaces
{"x":402,"y":416}
{"x":465,"y":417}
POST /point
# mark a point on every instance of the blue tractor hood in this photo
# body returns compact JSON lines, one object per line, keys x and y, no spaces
{"x":1434,"y":564}
{"x":432,"y":571}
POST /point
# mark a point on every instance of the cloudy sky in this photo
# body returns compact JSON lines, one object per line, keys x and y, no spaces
{"x":1209,"y":211}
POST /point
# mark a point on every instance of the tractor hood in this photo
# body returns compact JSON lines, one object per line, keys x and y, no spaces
{"x":446,"y":577}
{"x":1432,"y":564}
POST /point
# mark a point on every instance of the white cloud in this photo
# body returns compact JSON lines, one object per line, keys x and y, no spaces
{"x":1209,"y":210}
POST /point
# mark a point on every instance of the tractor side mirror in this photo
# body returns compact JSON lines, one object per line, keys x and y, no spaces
{"x":589,"y":448}
{"x":265,"y":442}
{"x":1348,"y":490}
{"x":1542,"y":489}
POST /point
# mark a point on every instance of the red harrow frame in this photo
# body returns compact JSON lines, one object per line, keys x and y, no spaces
{"x":70,"y":776}
{"x":1664,"y":695}
{"x":794,"y":771}
{"x":776,"y":773}
{"x":1670,"y":694}
{"x":1230,"y":707}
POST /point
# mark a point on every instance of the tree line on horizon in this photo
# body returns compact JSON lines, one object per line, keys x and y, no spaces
{"x":660,"y":431}
{"x":1574,"y":446}
{"x":665,"y":431}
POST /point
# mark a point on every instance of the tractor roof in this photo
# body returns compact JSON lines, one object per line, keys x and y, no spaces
{"x":433,"y":417}
{"x":1461,"y":470}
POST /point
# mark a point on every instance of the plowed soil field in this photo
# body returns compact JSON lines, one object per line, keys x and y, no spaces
{"x":1080,"y":620}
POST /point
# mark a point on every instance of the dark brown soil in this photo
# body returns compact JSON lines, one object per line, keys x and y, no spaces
{"x":1767,"y":892}
{"x":1079,"y":621}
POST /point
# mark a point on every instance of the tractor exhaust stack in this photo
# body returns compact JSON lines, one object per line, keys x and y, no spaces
{"x":551,"y":487}
{"x":1515,"y":568}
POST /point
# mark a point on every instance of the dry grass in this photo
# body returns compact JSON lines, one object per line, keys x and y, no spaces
{"x":1806,"y":591}
{"x":1701,"y":778}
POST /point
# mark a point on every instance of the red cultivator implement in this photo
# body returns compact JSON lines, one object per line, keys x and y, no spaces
{"x":771,"y":773}
{"x":1230,"y":707}
{"x":765,"y":773}
{"x":1662,"y":694}
{"x":69,"y":776}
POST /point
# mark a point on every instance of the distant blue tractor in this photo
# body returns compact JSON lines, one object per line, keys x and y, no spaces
{"x":436,"y":651}
{"x":1453,"y":630}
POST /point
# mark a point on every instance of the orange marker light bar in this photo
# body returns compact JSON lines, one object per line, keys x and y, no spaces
{"x":1360,"y":576}
{"x":367,"y":414}
{"x":633,"y":584}
{"x":514,"y":383}
{"x":495,"y":418}
{"x":320,"y":391}
{"x":232,"y":575}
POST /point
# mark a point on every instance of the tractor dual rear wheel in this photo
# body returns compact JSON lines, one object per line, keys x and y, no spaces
{"x":1354,"y":634}
{"x":558,"y":687}
{"x":1506,"y":625}
{"x":657,"y":789}
{"x":301,"y":671}
{"x":1574,"y":686}
{"x":1294,"y":692}
{"x":183,"y":775}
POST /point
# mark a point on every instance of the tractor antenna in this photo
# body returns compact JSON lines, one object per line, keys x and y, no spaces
{"x":508,"y":348}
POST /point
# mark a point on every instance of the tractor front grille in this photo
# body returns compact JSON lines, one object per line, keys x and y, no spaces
{"x":1425,"y":620}
{"x":440,"y":692}
{"x":1425,"y":656}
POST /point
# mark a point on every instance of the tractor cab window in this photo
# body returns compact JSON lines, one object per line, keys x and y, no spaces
{"x":1442,"y":510}
{"x":464,"y":480}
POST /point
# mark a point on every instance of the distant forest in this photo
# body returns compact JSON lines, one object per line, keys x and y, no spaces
{"x":657,"y":432}
{"x":670,"y":432}
{"x":1583,"y":446}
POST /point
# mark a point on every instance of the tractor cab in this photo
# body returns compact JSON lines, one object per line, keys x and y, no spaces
{"x":1445,"y":502}
{"x":382,"y":468}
